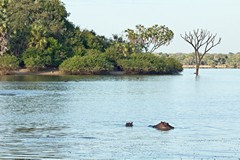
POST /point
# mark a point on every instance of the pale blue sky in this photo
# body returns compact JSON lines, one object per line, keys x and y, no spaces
{"x":107,"y":17}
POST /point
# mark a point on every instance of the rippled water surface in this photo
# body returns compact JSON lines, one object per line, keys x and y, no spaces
{"x":83,"y":117}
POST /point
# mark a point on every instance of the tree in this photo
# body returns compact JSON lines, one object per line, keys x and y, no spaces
{"x":31,"y":22}
{"x":38,"y":37}
{"x":3,"y":26}
{"x":201,"y":39}
{"x":150,"y":38}
{"x":91,"y":40}
{"x":50,"y":56}
{"x":3,"y":40}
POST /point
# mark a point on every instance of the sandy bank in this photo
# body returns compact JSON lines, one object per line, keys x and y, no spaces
{"x":47,"y":72}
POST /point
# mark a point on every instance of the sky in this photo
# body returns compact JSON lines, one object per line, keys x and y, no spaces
{"x":108,"y":17}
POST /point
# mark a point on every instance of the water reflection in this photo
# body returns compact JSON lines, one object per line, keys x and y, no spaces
{"x":77,"y":78}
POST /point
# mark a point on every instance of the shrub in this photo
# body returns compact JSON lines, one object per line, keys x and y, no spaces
{"x":79,"y":50}
{"x":8,"y":63}
{"x":30,"y":52}
{"x":90,"y":52}
{"x":34,"y":63}
{"x":89,"y":64}
{"x":32,"y":59}
{"x":149,"y":64}
{"x":114,"y":54}
{"x":173,"y":66}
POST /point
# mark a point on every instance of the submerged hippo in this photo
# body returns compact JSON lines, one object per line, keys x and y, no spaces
{"x":163,"y":126}
{"x":129,"y":124}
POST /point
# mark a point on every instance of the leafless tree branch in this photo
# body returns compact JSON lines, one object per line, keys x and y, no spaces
{"x":201,"y":39}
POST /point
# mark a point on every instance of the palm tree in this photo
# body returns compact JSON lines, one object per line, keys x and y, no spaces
{"x":38,"y":37}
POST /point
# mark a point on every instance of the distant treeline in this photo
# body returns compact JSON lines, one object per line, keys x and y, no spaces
{"x":230,"y":60}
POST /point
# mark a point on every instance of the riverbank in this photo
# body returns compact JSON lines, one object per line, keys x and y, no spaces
{"x":49,"y":72}
{"x":56,"y":72}
{"x":211,"y":67}
{"x":46,"y":72}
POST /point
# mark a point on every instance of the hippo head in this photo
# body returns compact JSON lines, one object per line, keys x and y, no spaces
{"x":163,"y":126}
{"x":129,"y":124}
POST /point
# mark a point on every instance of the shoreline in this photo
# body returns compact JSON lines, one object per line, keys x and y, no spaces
{"x":46,"y":72}
{"x":49,"y":72}
{"x":56,"y":72}
{"x":211,"y":67}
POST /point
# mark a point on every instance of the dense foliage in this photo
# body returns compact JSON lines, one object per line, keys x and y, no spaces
{"x":39,"y":35}
{"x":8,"y":63}
{"x":89,"y":64}
{"x":149,"y":64}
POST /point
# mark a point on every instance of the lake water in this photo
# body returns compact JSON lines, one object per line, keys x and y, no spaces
{"x":83,"y":117}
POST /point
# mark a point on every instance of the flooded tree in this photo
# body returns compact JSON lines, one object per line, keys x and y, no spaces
{"x":201,"y":39}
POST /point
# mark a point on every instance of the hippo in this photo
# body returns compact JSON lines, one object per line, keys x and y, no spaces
{"x":129,"y":124}
{"x":163,"y":126}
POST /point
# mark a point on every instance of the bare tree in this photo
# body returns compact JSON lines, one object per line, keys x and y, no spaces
{"x":201,"y":39}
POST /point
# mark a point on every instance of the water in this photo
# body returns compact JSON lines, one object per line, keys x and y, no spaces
{"x":83,"y":117}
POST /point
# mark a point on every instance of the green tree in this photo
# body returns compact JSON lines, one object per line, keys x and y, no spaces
{"x":50,"y":14}
{"x":149,"y":39}
{"x":52,"y":54}
{"x":72,"y":43}
{"x":91,"y":40}
{"x":77,"y":41}
{"x":38,"y":37}
{"x":32,"y":21}
{"x":55,"y":51}
{"x":119,"y":48}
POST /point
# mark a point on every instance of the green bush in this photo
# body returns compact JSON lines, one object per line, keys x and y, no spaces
{"x":34,"y":63}
{"x":90,"y":52}
{"x":79,"y":50}
{"x":173,"y":65}
{"x":8,"y":63}
{"x":149,"y":64}
{"x":89,"y":64}
{"x":30,"y":52}
{"x":114,"y":54}
{"x":32,"y":59}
